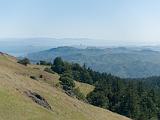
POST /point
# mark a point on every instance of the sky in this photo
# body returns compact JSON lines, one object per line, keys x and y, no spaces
{"x":118,"y":21}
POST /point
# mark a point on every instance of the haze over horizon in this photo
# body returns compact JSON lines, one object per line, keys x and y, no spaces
{"x":83,"y":42}
{"x":79,"y":59}
{"x":106,"y":21}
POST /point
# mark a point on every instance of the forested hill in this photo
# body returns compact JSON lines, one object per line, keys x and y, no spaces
{"x":135,"y":98}
{"x":121,"y":61}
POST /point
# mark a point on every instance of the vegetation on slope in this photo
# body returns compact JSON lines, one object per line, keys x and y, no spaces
{"x":129,"y":97}
{"x":84,"y":88}
{"x":16,"y":105}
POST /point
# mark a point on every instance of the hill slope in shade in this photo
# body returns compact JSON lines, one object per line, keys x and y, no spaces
{"x":121,"y":61}
{"x":16,"y":105}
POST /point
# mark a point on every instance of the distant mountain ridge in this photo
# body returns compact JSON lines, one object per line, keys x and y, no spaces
{"x":121,"y":61}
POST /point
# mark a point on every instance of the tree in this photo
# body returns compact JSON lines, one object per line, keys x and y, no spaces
{"x":85,"y":77}
{"x":58,"y":65}
{"x":24,"y":61}
{"x":58,"y":61}
{"x":98,"y":99}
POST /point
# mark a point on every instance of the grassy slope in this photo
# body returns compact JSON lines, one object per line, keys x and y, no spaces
{"x":15,"y":105}
{"x":83,"y":87}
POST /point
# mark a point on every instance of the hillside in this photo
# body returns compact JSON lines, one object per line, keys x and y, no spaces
{"x":120,"y":61}
{"x":16,"y":100}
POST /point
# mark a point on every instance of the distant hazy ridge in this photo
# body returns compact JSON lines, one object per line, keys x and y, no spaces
{"x":121,"y":61}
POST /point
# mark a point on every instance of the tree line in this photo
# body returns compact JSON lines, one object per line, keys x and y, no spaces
{"x":134,"y":98}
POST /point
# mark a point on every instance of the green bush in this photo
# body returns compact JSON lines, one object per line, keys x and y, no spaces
{"x":67,"y":83}
{"x":24,"y":61}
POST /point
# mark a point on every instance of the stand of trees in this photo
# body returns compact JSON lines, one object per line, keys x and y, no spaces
{"x":134,"y":98}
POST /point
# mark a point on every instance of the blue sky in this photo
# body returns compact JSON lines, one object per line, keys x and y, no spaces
{"x":134,"y":21}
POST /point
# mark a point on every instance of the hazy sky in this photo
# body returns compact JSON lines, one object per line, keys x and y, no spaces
{"x":135,"y":21}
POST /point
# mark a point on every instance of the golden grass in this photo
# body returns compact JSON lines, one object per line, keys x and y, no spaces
{"x":15,"y":105}
{"x":84,"y":88}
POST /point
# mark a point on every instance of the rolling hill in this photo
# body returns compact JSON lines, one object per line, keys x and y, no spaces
{"x":121,"y":61}
{"x":25,"y":98}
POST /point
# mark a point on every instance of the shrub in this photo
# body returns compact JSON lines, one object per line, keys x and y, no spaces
{"x":24,"y":61}
{"x":41,"y":76}
{"x":67,"y":83}
{"x":33,"y":77}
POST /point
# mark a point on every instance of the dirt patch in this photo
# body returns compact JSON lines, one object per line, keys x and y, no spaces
{"x":38,"y":99}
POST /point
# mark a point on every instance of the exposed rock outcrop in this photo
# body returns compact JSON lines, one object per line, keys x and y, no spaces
{"x":38,"y":99}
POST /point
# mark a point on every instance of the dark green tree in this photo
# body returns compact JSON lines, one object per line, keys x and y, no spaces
{"x":58,"y":65}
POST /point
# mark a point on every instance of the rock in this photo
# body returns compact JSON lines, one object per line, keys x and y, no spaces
{"x":38,"y":99}
{"x":33,"y":77}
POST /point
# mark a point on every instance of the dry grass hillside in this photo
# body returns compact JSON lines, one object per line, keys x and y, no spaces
{"x":15,"y":81}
